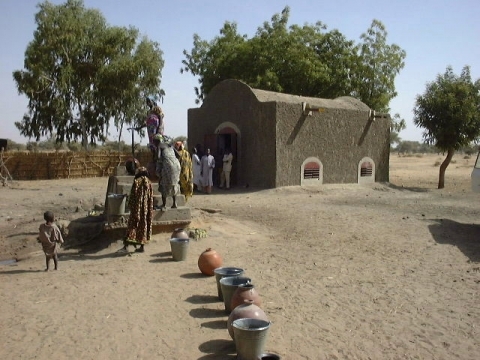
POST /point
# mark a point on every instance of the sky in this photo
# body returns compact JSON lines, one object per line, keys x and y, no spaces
{"x":434,"y":33}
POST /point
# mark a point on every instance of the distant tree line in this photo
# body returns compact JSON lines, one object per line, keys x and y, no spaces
{"x":415,"y":147}
{"x":52,"y":145}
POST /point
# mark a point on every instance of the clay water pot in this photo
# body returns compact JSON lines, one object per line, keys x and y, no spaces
{"x":132,"y":165}
{"x":247,"y":310}
{"x":245,"y":292}
{"x":208,"y":261}
{"x":228,"y":286}
{"x":179,"y":233}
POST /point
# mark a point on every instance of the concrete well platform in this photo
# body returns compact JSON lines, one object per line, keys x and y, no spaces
{"x":163,"y":221}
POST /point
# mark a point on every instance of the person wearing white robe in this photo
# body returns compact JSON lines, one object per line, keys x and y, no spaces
{"x":207,"y":166}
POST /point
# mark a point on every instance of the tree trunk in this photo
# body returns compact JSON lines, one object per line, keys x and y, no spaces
{"x":83,"y":127}
{"x":443,"y":167}
{"x":120,"y":136}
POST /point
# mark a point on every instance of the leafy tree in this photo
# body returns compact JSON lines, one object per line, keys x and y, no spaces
{"x":301,"y":60}
{"x":79,"y":73}
{"x":216,"y":61}
{"x":12,"y":145}
{"x":378,"y":64}
{"x":449,"y":113}
{"x":397,"y":124}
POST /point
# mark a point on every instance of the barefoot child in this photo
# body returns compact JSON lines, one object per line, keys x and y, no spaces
{"x":49,"y":237}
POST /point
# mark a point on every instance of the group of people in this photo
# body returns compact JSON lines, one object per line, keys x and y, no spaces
{"x":178,"y":171}
{"x":203,"y":170}
{"x":174,"y":172}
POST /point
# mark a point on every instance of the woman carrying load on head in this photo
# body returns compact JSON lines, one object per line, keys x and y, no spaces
{"x":154,"y":122}
{"x":140,"y":203}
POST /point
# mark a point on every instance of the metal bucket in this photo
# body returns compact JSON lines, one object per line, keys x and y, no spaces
{"x":116,"y":204}
{"x":222,"y":272}
{"x":179,"y":249}
{"x":229,"y":285}
{"x":250,"y":336}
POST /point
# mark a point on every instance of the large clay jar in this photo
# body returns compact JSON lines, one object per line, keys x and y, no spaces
{"x":179,"y":233}
{"x":132,"y":165}
{"x":247,"y":310}
{"x":208,"y":261}
{"x":245,"y":292}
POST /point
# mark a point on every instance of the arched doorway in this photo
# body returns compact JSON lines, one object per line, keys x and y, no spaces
{"x":226,"y":136}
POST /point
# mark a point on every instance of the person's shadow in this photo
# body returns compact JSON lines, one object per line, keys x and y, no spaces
{"x":466,"y":237}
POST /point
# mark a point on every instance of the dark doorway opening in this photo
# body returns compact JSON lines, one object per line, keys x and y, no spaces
{"x":218,"y":143}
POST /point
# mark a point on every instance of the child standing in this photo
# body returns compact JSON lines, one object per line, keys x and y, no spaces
{"x":49,"y":236}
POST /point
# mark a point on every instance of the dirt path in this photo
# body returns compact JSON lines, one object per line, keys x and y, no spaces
{"x":385,"y":271}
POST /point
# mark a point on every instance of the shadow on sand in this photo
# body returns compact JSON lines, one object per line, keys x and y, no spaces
{"x":16,"y":272}
{"x":466,"y":237}
{"x":202,"y":313}
{"x":202,"y":299}
{"x":406,"y":188}
{"x":218,"y":349}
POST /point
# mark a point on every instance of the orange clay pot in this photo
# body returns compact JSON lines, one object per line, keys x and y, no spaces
{"x":243,"y":293}
{"x":208,"y":261}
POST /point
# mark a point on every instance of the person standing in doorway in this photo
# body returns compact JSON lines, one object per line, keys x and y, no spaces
{"x":208,"y":164}
{"x":197,"y":169}
{"x":227,"y":169}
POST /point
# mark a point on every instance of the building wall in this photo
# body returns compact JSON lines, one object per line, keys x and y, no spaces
{"x":276,"y":137}
{"x":233,"y":101}
{"x":339,"y":138}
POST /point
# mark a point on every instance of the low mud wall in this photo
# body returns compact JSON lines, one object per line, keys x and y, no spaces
{"x":66,"y":164}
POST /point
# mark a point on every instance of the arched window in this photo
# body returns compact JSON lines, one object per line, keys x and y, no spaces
{"x":311,"y":172}
{"x":366,"y":171}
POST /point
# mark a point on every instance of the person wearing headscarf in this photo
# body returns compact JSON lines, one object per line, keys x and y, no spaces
{"x":154,"y":121}
{"x":186,"y":170}
{"x":167,"y":170}
{"x":140,"y":203}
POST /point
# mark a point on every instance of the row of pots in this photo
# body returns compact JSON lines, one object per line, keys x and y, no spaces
{"x":247,"y":323}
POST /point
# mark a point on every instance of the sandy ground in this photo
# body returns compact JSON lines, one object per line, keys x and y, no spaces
{"x":383,"y":271}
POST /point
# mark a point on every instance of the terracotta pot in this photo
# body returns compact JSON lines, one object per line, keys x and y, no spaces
{"x":247,"y":310}
{"x":208,"y":261}
{"x":245,"y":292}
{"x":132,"y":165}
{"x":179,"y":233}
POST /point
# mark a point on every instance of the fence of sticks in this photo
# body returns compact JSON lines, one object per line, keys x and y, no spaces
{"x":67,"y":165}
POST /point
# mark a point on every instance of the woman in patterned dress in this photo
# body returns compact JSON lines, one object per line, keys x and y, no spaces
{"x":140,"y":203}
{"x":186,"y":172}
